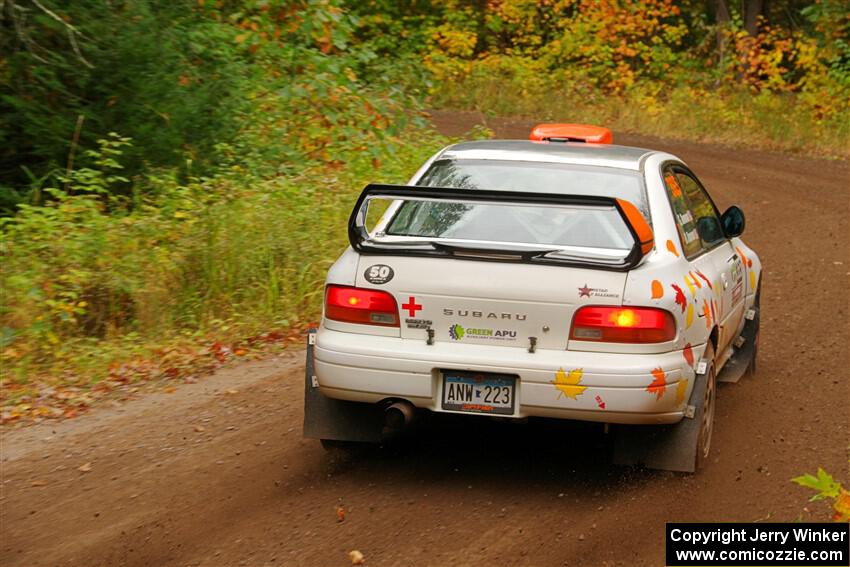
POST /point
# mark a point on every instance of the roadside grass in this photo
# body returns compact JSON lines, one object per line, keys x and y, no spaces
{"x":98,"y":299}
{"x":727,"y":116}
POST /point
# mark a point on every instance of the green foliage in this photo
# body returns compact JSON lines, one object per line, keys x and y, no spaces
{"x":150,"y":237}
{"x":823,"y":484}
{"x":235,"y":250}
{"x":391,"y":34}
{"x":159,"y":72}
{"x":827,"y":488}
{"x":510,"y":86}
{"x":669,"y":68}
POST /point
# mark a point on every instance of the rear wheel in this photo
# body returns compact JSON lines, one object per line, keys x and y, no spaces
{"x":334,"y":445}
{"x":752,"y":367}
{"x":706,"y":412}
{"x":753,"y":364}
{"x":683,"y":447}
{"x":342,"y":452}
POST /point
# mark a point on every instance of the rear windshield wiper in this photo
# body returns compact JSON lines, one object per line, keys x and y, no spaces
{"x":496,"y":251}
{"x":393,"y":244}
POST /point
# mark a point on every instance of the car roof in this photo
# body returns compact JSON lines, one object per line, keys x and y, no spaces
{"x":600,"y":155}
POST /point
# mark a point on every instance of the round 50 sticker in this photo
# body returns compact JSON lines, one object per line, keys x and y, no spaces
{"x":378,"y":274}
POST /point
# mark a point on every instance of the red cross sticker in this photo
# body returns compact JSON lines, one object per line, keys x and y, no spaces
{"x":411,"y":306}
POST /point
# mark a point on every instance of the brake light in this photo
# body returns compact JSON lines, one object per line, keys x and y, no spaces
{"x":364,"y":306}
{"x":623,"y":325}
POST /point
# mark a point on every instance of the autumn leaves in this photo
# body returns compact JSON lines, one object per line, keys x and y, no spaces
{"x":568,"y":383}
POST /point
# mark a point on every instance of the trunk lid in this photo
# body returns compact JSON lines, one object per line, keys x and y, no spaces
{"x":485,"y":302}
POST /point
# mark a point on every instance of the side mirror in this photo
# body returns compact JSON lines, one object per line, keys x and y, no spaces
{"x":709,"y":229}
{"x":733,"y":222}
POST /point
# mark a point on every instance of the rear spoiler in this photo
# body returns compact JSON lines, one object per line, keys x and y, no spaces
{"x":360,"y":240}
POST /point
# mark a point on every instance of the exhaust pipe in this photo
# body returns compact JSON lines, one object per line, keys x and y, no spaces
{"x":397,"y":417}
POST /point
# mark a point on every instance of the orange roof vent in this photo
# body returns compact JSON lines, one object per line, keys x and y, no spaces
{"x":571,"y":133}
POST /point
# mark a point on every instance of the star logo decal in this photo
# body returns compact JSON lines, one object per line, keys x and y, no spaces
{"x":584,"y":291}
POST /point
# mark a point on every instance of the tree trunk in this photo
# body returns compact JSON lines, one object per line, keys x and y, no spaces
{"x":721,"y":14}
{"x":752,"y":10}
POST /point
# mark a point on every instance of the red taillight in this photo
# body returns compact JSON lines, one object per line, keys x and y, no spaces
{"x":623,"y":325}
{"x":364,"y":306}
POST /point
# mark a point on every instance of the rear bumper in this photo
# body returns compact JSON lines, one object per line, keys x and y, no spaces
{"x":370,"y":369}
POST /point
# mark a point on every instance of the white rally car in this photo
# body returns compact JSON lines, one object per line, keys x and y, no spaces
{"x":561,"y":277}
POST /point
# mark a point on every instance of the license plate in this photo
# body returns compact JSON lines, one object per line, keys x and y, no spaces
{"x":478,"y":392}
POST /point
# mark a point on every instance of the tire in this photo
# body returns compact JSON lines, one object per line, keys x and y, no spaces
{"x":706,"y":412}
{"x":332,"y":445}
{"x":752,"y":367}
{"x":341,"y":453}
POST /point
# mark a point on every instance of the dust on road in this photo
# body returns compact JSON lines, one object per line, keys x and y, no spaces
{"x":217,"y":473}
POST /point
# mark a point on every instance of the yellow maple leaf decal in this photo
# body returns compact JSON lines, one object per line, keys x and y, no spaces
{"x":690,"y":316}
{"x":681,"y":388}
{"x":690,"y":286}
{"x":568,"y":384}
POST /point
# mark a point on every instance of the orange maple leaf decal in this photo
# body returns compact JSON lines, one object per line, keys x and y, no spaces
{"x":680,"y":297}
{"x":695,"y":280}
{"x":659,"y":384}
{"x":706,"y":312}
{"x":700,"y":274}
{"x":657,"y":289}
{"x":688,"y":353}
{"x":672,"y":248}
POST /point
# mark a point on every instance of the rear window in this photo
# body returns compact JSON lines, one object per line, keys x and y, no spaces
{"x":538,"y":177}
{"x":562,"y":226}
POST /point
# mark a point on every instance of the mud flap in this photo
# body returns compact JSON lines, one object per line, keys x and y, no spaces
{"x":738,"y":364}
{"x":663,"y":447}
{"x":338,"y":420}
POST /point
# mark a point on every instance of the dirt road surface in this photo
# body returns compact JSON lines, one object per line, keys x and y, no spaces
{"x":217,"y":473}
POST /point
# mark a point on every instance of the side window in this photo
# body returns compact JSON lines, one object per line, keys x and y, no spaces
{"x":684,"y":218}
{"x":696,"y":219}
{"x":707,"y":223}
